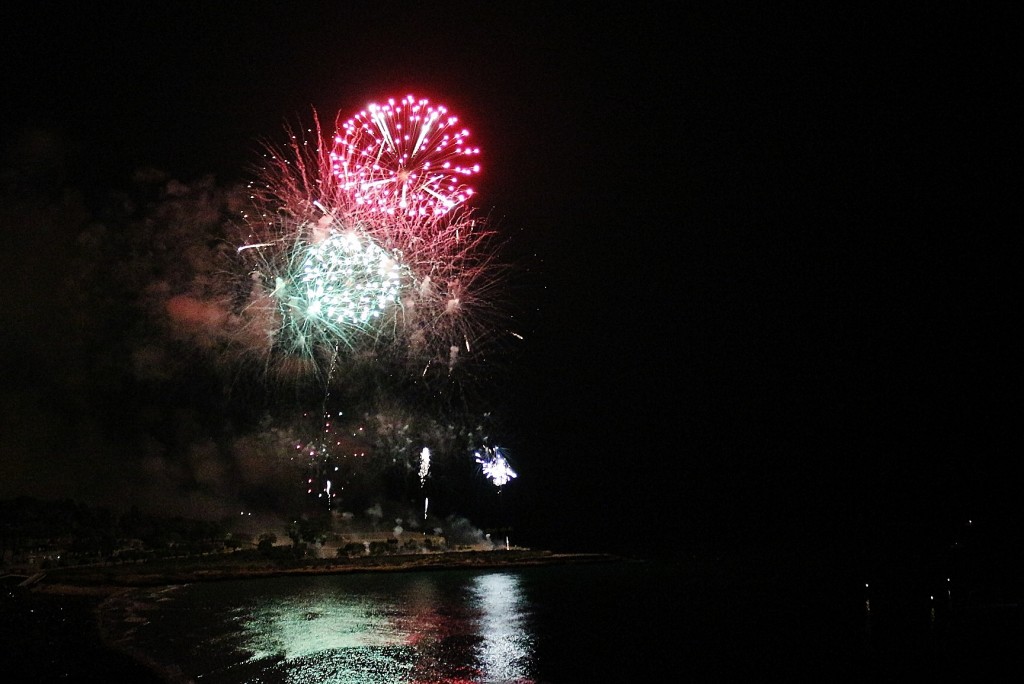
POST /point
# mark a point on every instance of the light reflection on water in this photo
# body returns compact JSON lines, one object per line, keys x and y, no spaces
{"x":506,"y":649}
{"x":294,"y":627}
{"x":614,"y":622}
{"x":423,"y":627}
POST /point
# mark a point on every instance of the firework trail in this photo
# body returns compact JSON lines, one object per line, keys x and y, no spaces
{"x":424,"y":465}
{"x":424,"y":471}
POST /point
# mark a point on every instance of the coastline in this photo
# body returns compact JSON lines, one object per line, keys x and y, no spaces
{"x":51,"y":628}
{"x":103,"y":580}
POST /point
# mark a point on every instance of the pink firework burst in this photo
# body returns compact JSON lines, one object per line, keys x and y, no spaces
{"x":406,"y":157}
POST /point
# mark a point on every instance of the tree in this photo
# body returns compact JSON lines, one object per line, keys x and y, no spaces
{"x":267,"y":541}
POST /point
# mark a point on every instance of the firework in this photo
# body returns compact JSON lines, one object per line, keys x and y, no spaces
{"x":365,"y":266}
{"x":339,"y":287}
{"x":405,"y":157}
{"x":362,"y":242}
{"x":495,"y":466}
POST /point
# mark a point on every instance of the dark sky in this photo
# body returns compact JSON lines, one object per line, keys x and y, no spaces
{"x":764,"y":257}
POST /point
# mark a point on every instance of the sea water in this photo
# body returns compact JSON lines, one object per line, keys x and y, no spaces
{"x":617,"y":621}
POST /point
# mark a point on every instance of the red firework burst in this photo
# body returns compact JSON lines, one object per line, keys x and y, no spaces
{"x":405,"y":157}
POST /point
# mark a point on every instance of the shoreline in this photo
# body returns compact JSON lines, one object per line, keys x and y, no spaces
{"x":104,"y":580}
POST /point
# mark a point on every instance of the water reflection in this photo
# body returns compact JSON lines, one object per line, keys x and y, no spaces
{"x":506,"y":649}
{"x":471,"y":628}
{"x":297,"y":626}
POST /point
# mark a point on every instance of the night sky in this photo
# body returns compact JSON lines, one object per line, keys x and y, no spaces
{"x":762,"y":259}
